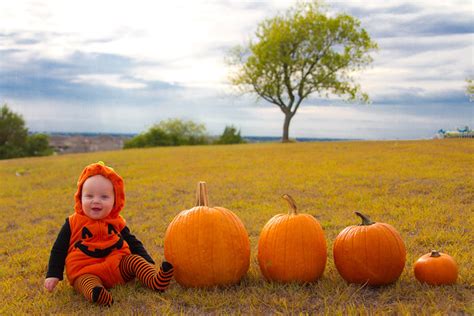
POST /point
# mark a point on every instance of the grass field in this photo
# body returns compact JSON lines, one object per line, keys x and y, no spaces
{"x":423,"y":188}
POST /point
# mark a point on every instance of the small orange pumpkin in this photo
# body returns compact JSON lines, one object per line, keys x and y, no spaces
{"x":207,"y":246}
{"x":292,"y":247}
{"x":372,"y":253}
{"x":436,"y":268}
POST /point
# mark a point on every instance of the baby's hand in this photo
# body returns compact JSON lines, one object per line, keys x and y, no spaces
{"x":50,"y":283}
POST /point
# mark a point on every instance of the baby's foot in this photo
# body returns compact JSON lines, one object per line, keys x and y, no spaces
{"x":164,"y":276}
{"x":166,"y":266}
{"x":101,"y":296}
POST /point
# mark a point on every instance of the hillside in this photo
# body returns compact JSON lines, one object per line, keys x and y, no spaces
{"x":425,"y":189}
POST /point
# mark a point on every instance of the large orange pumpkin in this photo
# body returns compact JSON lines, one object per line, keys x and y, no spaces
{"x":436,"y":268}
{"x":372,"y":253}
{"x":292,"y":247}
{"x":207,"y":246}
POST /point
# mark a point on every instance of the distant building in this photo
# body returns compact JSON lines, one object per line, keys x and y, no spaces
{"x":465,"y":132}
{"x":65,"y":144}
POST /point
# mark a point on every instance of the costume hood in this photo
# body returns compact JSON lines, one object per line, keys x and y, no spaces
{"x":117,"y":182}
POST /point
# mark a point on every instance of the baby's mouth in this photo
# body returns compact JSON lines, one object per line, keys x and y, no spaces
{"x":97,"y":209}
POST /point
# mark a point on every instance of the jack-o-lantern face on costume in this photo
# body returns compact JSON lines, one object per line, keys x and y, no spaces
{"x":110,"y":239}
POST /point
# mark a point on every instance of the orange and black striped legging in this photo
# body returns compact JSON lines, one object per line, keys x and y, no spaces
{"x":135,"y":266}
{"x":130,"y":266}
{"x":91,"y":287}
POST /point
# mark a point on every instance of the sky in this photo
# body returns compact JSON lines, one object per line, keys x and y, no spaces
{"x":122,"y":66}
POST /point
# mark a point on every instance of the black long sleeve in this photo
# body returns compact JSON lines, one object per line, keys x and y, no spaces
{"x":57,"y":259}
{"x":136,"y":246}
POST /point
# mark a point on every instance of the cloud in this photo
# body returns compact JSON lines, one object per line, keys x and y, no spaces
{"x":398,"y":18}
{"x":129,"y":65}
{"x":110,"y":80}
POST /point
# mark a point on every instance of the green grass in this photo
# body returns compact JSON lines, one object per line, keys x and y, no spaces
{"x":423,"y":188}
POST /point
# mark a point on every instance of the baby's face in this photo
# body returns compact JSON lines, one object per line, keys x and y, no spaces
{"x":97,"y":197}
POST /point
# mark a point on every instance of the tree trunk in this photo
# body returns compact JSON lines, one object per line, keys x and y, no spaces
{"x":286,"y":127}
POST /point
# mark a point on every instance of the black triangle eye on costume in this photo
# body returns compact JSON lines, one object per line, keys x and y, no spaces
{"x":86,"y":233}
{"x":111,"y":229}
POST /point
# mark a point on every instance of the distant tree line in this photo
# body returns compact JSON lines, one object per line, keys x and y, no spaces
{"x":14,"y":138}
{"x":15,"y":141}
{"x":176,"y":132}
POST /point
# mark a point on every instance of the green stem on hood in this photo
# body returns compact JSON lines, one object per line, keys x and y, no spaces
{"x":435,"y":253}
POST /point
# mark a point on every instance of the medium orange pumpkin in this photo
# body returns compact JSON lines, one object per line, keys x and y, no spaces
{"x":207,"y":246}
{"x":372,"y":253}
{"x":436,"y":268}
{"x":292,"y":247}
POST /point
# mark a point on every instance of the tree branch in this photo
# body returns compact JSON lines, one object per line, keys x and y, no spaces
{"x":289,"y":88}
{"x":269,"y":98}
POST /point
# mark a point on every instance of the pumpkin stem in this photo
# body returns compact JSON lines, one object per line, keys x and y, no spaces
{"x":365,"y":219}
{"x":435,"y":253}
{"x":292,"y":203}
{"x":201,"y":194}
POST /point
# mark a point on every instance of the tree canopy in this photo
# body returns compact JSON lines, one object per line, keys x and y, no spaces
{"x":14,"y":138}
{"x":171,"y":132}
{"x":230,"y":136}
{"x":302,"y":52}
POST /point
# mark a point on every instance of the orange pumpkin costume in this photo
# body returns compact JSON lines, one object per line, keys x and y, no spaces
{"x":96,"y":246}
{"x":101,"y":253}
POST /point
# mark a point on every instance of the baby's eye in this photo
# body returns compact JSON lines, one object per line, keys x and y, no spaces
{"x":89,"y":196}
{"x":105,"y":197}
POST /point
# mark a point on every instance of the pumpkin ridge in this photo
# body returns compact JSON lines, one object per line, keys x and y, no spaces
{"x":274,"y":242}
{"x":195,"y":213}
{"x":341,"y":246}
{"x":362,"y":267}
{"x":321,"y":253}
{"x":398,"y":238}
{"x":367,"y":264}
{"x":168,"y":255}
{"x":286,"y":260}
{"x":269,"y":248}
{"x":244,"y":241}
{"x":295,"y":260}
{"x":261,"y":250}
{"x":232,"y":226}
{"x":198,"y":223}
{"x":388,"y":236}
{"x":338,"y":244}
{"x":185,"y":224}
{"x":303,"y":250}
{"x":223,"y":221}
{"x":363,"y":245}
{"x":353,"y":233}
{"x":384,"y":249}
{"x":399,"y":264}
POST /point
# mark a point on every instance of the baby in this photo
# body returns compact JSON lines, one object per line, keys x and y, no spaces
{"x":96,"y":245}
